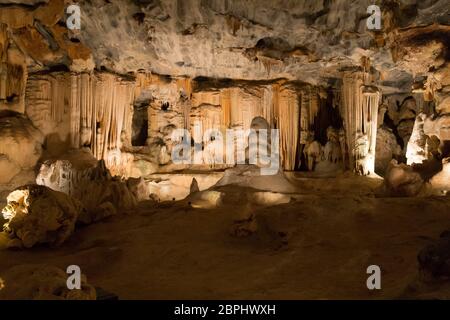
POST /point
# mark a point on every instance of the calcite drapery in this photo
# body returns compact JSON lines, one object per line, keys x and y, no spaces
{"x":359,"y":109}
{"x":88,"y":110}
{"x":289,"y":107}
{"x":288,"y":116}
{"x":13,"y":74}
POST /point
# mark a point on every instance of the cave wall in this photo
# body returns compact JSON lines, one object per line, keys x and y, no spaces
{"x":94,"y":110}
{"x":82,"y":110}
{"x":223,"y":64}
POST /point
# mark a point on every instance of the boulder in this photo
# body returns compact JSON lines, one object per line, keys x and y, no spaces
{"x":441,"y":180}
{"x":36,"y":214}
{"x":402,"y":180}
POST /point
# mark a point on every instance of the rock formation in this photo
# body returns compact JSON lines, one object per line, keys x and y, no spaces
{"x":100,"y":194}
{"x":39,"y":215}
{"x":42,"y":282}
{"x":167,"y":107}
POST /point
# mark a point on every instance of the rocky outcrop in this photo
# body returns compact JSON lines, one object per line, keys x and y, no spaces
{"x":159,"y":67}
{"x":441,"y":181}
{"x":101,"y":195}
{"x":401,"y":180}
{"x":20,"y":145}
{"x":387,"y":149}
{"x":42,"y":282}
{"x":38,"y":215}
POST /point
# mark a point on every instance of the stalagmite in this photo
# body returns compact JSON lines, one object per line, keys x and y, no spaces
{"x":415,"y":151}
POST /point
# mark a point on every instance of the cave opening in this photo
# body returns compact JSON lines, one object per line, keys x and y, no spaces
{"x":140,"y":125}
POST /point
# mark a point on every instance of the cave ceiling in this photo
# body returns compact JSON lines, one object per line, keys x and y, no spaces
{"x":310,"y":41}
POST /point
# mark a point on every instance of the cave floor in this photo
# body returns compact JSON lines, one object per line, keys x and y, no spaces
{"x":318,"y":246}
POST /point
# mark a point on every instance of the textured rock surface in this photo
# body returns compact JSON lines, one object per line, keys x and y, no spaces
{"x":251,"y":39}
{"x":386,"y":150}
{"x":441,"y":181}
{"x":20,"y":145}
{"x":172,"y":54}
{"x":36,"y":215}
{"x":93,"y":186}
{"x":401,"y":180}
{"x":434,"y":259}
{"x":232,"y":39}
{"x":41,"y":282}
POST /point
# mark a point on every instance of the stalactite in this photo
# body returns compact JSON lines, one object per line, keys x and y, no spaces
{"x":288,"y":121}
{"x":304,"y":117}
{"x":313,"y":105}
{"x":269,"y":63}
{"x":225,"y":102}
{"x":336,"y":98}
{"x":309,"y":108}
{"x":234,"y":23}
{"x":75,"y":112}
{"x":48,"y":102}
{"x":420,"y":102}
{"x":185,"y":88}
{"x":3,"y":42}
{"x":275,"y":104}
{"x":13,"y":74}
{"x":431,"y":86}
{"x":235,"y":114}
{"x":3,"y":62}
{"x":186,"y":85}
{"x":266,"y":104}
{"x":96,"y":109}
{"x":359,"y":109}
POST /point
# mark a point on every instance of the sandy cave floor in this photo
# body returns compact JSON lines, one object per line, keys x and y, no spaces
{"x":316,"y":247}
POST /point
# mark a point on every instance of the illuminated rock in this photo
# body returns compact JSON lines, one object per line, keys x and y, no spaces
{"x":93,"y":186}
{"x":402,"y":180}
{"x":38,"y":215}
{"x":441,"y":180}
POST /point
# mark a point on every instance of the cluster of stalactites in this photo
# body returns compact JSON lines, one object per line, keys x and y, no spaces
{"x":359,"y":110}
{"x":309,"y":105}
{"x":288,"y":108}
{"x":13,"y":74}
{"x":101,"y":111}
{"x":94,"y":110}
{"x":288,"y":115}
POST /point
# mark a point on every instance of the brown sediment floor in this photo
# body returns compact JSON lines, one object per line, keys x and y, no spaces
{"x":318,"y":246}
